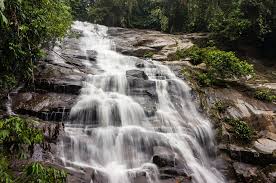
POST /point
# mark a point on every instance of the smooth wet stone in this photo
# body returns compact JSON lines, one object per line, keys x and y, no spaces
{"x":138,"y":177}
{"x":163,"y":157}
{"x":173,"y":171}
{"x":140,"y":65}
{"x":92,"y":55}
{"x":137,"y":74}
{"x":73,"y":53}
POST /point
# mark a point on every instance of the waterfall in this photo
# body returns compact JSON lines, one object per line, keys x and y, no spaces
{"x":110,"y":131}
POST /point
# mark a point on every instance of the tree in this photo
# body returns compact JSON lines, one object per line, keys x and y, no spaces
{"x":30,"y":26}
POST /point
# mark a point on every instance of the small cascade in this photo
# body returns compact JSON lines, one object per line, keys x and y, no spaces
{"x":110,"y":131}
{"x":9,"y":101}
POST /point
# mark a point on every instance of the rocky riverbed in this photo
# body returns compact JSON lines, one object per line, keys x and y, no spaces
{"x":59,"y":78}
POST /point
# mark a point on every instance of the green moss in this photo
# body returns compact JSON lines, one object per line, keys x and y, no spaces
{"x":148,"y":54}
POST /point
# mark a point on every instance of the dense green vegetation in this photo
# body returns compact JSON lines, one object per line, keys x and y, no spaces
{"x":28,"y":26}
{"x":39,"y":173}
{"x":241,"y":129}
{"x":265,"y":94}
{"x":17,"y":139}
{"x":235,"y":21}
{"x":220,"y":65}
{"x":18,"y":135}
{"x":33,"y":173}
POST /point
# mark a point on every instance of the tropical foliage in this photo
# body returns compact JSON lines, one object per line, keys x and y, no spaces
{"x":17,"y":135}
{"x":233,"y":22}
{"x":38,"y":173}
{"x":220,"y":65}
{"x":27,"y":26}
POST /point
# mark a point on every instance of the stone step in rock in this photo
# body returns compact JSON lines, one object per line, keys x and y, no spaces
{"x":249,"y":155}
{"x":173,"y":171}
{"x":266,"y":146}
{"x":47,"y":106}
{"x":59,"y":86}
{"x":52,"y":115}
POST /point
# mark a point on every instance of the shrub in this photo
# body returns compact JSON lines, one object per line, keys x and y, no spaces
{"x":204,"y":79}
{"x":220,"y":65}
{"x":7,"y":82}
{"x":195,"y":53}
{"x":39,"y":173}
{"x":17,"y":135}
{"x":241,"y":129}
{"x":226,"y":65}
{"x":29,"y":26}
{"x":265,"y":95}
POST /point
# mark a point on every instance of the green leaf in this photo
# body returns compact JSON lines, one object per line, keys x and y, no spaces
{"x":3,"y":18}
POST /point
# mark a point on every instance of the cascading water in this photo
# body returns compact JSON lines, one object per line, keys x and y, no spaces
{"x":109,"y":130}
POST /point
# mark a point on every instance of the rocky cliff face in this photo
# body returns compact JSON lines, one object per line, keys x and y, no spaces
{"x":58,"y":80}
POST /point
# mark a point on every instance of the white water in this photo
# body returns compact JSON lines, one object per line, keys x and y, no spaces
{"x":110,"y":132}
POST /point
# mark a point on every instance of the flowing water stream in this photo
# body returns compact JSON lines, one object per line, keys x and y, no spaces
{"x":110,"y":131}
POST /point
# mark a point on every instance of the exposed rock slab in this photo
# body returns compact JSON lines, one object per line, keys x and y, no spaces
{"x":48,"y":106}
{"x":138,"y":42}
{"x":265,"y":145}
